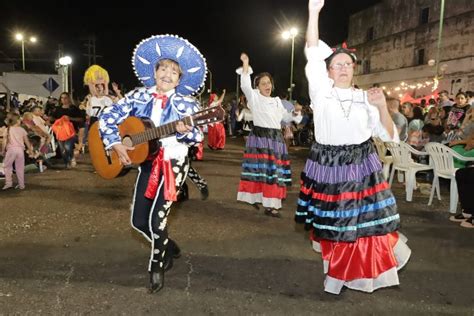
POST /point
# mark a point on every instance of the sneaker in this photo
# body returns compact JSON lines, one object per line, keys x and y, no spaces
{"x":457,"y":218}
{"x":468,"y":223}
{"x":73,"y":163}
{"x":7,"y":186}
{"x":20,"y":187}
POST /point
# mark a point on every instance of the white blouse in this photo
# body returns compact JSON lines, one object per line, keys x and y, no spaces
{"x":267,"y":112}
{"x":341,"y":116}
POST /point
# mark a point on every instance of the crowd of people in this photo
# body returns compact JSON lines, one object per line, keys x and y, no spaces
{"x":443,"y":120}
{"x":449,"y":121}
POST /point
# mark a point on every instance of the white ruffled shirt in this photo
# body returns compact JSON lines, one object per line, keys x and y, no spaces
{"x":267,"y":112}
{"x":331,"y":127}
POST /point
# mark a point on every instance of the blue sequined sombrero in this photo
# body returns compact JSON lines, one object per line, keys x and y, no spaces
{"x":151,"y":50}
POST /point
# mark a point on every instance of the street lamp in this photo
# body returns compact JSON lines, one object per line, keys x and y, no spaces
{"x":292,"y":33}
{"x":21,"y":38}
{"x":65,"y":61}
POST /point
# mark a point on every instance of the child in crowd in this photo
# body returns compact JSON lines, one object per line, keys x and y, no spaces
{"x":14,"y":140}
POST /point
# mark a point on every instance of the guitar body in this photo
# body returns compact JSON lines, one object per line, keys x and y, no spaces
{"x":144,"y":137}
{"x":106,"y":162}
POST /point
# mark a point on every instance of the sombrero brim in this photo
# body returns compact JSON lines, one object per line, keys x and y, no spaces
{"x":153,"y":49}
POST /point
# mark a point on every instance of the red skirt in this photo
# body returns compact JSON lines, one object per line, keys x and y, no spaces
{"x":216,"y":136}
{"x":367,"y":264}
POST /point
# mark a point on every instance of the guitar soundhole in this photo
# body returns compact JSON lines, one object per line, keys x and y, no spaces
{"x":127,"y":141}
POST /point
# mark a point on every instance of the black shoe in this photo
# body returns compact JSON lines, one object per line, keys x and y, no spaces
{"x":173,"y":249}
{"x":183,"y":194}
{"x":172,"y":252}
{"x":157,"y":278}
{"x":168,"y":261}
{"x":204,"y":193}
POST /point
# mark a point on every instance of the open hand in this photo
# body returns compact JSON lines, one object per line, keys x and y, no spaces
{"x":376,"y":97}
{"x":115,"y":87}
{"x":244,"y":58}
{"x":315,"y":5}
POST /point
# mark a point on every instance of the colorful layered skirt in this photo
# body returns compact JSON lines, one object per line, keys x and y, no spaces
{"x":266,"y":172}
{"x":347,"y":204}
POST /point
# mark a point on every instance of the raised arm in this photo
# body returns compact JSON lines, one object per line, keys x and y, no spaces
{"x":312,"y":33}
{"x":316,"y":52}
{"x":245,"y":82}
{"x":221,"y":98}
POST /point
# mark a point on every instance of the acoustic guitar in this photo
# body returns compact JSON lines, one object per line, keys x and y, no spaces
{"x":142,"y":135}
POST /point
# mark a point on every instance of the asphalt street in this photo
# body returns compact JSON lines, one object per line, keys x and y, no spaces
{"x":66,"y":247}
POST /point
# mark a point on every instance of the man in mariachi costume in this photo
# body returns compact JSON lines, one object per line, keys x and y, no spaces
{"x":171,"y":69}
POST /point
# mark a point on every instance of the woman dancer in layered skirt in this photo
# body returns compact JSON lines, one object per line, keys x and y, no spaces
{"x":344,"y":198}
{"x":266,"y":167}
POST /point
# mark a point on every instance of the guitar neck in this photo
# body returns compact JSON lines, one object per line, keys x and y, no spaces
{"x":159,"y":131}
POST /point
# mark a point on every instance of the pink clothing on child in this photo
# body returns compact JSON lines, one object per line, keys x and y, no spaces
{"x":14,"y":155}
{"x":16,"y":136}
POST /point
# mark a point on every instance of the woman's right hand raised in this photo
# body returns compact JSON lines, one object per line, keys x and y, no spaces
{"x":244,"y":58}
{"x":315,"y":5}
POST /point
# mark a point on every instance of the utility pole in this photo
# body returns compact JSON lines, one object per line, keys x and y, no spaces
{"x":91,"y":50}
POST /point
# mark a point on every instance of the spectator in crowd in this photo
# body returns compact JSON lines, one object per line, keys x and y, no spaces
{"x":458,"y":112}
{"x":77,"y":117}
{"x":38,"y":118}
{"x":415,"y":129}
{"x":245,"y":116}
{"x":464,"y":144}
{"x":407,"y":110}
{"x":465,"y":183}
{"x":470,"y":97}
{"x":50,"y":106}
{"x":400,"y":120}
{"x":39,"y":139}
{"x":444,"y":100}
{"x":287,"y":126}
{"x":233,"y":112}
{"x":423,"y":104}
{"x":14,"y":140}
{"x":433,"y":128}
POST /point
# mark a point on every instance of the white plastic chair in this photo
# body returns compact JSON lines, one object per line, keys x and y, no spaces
{"x":403,"y":161}
{"x":382,"y":152}
{"x":443,"y":162}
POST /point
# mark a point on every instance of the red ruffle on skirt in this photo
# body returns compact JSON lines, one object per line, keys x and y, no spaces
{"x":367,"y":258}
{"x":216,"y":136}
{"x":267,"y":190}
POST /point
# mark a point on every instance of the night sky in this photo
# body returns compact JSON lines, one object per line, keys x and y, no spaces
{"x":219,"y":29}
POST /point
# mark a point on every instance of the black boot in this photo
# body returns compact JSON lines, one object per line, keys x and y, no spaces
{"x":157,"y":278}
{"x":204,"y":193}
{"x":172,"y":252}
{"x":183,"y":194}
{"x":173,"y":249}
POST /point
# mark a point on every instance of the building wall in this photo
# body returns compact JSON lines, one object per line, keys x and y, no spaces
{"x":398,"y":36}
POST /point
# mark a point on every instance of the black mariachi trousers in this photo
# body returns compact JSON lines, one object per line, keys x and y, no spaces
{"x":150,"y":216}
{"x":465,"y":182}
